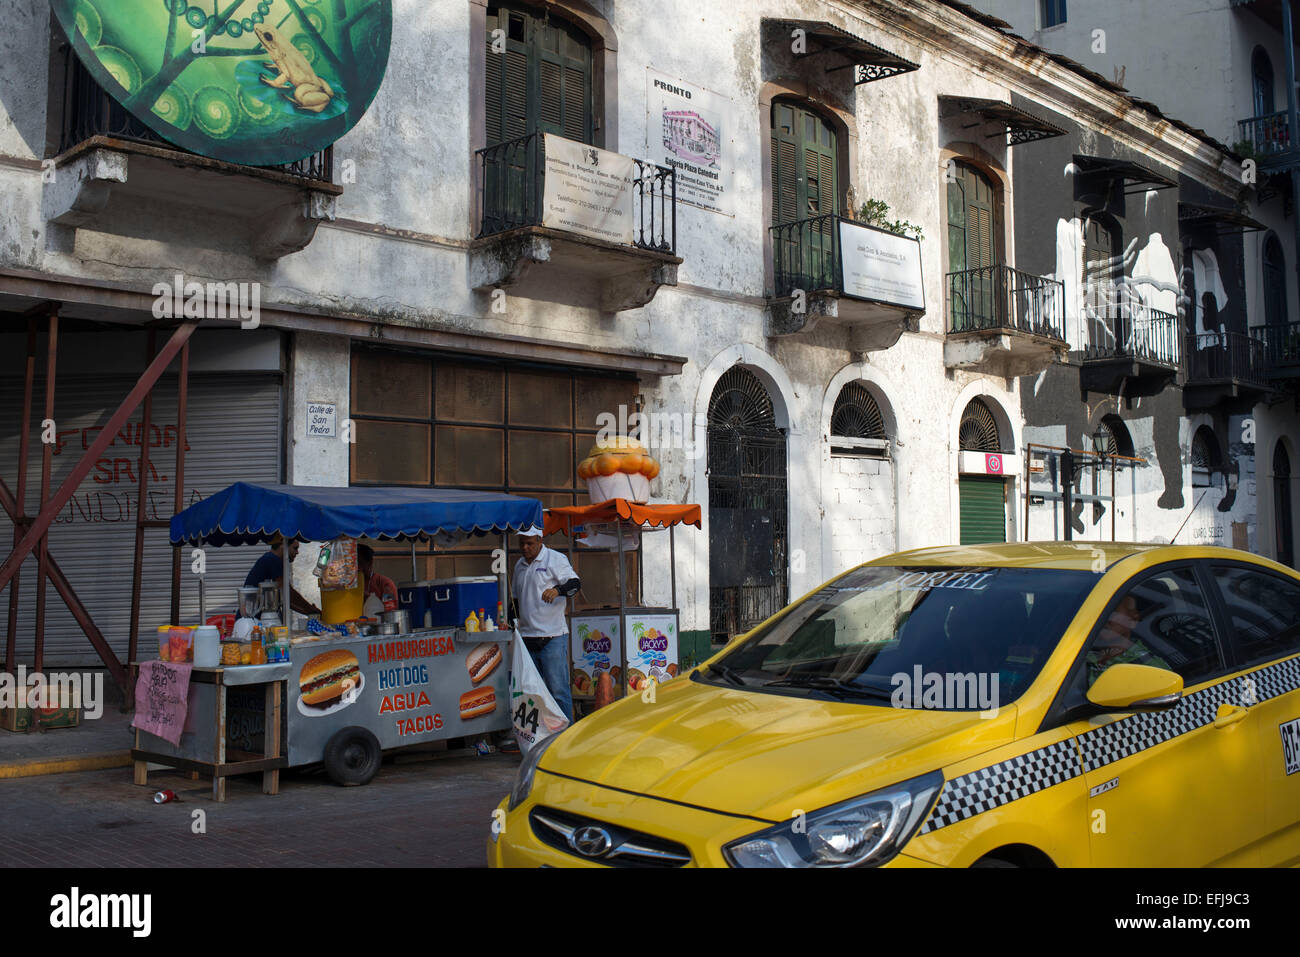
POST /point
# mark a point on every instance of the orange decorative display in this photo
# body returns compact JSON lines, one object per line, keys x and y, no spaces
{"x":620,"y":467}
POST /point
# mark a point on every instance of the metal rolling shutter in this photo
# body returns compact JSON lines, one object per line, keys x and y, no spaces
{"x":234,"y":434}
{"x":983,"y":510}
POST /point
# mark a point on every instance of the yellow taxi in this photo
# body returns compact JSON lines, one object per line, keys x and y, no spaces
{"x":992,"y":706}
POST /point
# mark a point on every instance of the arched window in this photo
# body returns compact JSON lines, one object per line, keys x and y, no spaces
{"x":974,"y":230}
{"x":1261,"y":73}
{"x":543,"y":80}
{"x":857,"y":418}
{"x":978,"y":431}
{"x":1112,"y":437}
{"x":1274,"y":266}
{"x":1206,"y":459}
{"x":805,"y":164}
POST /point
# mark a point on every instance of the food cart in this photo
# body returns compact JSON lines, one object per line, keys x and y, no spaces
{"x":635,"y":644}
{"x":399,"y":689}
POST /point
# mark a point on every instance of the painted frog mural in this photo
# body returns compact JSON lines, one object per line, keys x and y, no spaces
{"x":309,"y":91}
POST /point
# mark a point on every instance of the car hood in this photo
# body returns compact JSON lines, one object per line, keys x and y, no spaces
{"x":760,"y":754}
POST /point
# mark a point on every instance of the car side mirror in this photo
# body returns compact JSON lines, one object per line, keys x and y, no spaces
{"x":1136,"y":688}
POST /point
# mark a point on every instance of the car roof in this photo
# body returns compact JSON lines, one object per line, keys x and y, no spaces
{"x":1081,"y":556}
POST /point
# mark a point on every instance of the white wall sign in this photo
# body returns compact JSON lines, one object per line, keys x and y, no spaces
{"x":687,"y":128}
{"x":588,"y":190}
{"x":321,"y":420}
{"x":881,"y":266}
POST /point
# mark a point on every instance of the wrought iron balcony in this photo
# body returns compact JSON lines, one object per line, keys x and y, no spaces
{"x":806,"y":256}
{"x":1225,"y":368}
{"x":1002,"y":321}
{"x":88,"y":111}
{"x":516,"y":248}
{"x":1000,"y":298}
{"x":1132,"y":349}
{"x":1281,"y":349}
{"x":513,"y":184}
{"x":1268,"y":134}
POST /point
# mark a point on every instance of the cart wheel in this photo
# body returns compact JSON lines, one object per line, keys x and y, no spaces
{"x":352,"y":756}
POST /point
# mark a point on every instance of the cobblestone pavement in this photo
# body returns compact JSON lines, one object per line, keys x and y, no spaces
{"x":430,"y":813}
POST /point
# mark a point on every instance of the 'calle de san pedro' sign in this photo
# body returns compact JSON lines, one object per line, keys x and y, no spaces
{"x":256,"y":82}
{"x":881,"y":266}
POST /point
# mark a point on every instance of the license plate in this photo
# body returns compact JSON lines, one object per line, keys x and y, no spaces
{"x":1291,"y":745}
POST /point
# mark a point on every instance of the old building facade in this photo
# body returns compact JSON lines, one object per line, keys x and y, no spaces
{"x":413,"y":293}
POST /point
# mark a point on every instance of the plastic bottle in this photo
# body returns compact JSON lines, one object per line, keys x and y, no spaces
{"x":501,"y":615}
{"x":471,"y":622}
{"x":490,"y":625}
{"x":482,"y":620}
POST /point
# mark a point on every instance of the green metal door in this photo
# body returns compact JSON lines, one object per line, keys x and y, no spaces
{"x":805,"y":186}
{"x":972,"y":248}
{"x":983,"y":509}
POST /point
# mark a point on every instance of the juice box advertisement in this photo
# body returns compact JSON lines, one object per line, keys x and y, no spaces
{"x":594,"y":647}
{"x":651,"y":650}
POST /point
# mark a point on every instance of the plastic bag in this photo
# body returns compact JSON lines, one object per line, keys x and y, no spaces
{"x":534,"y":713}
{"x":339,"y":571}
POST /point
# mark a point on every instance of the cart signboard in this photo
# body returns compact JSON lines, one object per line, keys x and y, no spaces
{"x":651,"y":648}
{"x":405,"y":689}
{"x":595,"y":646}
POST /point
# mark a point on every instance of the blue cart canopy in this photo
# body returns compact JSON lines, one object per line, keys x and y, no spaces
{"x":246,"y":514}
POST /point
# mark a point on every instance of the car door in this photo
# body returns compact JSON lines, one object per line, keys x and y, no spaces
{"x":1262,"y":608}
{"x":1170,"y":788}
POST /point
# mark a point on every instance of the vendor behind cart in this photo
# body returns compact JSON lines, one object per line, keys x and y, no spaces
{"x":379,"y":587}
{"x":270,"y":567}
{"x":541,"y":577}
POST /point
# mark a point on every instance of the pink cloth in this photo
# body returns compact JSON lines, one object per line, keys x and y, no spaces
{"x":161,"y":697}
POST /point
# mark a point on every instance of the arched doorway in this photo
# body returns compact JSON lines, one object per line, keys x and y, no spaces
{"x":748,"y":513}
{"x":974,"y":232}
{"x":1282,"y":505}
{"x":983,"y":498}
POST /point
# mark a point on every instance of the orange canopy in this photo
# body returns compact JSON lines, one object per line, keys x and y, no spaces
{"x":654,"y":516}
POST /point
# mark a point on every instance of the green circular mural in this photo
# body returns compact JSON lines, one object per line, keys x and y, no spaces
{"x":259,"y":82}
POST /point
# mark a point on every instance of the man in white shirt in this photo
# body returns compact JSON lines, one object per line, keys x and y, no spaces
{"x":542,"y":581}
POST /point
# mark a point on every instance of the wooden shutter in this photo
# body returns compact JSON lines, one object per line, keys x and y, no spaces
{"x":785,"y":181}
{"x":983,"y":510}
{"x":542,"y":81}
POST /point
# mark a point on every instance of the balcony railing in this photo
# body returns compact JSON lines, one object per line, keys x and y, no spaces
{"x":1224,"y":356}
{"x":89,"y":111}
{"x":1281,"y":346}
{"x":1266,"y":134}
{"x":806,"y":255}
{"x":512,"y":186}
{"x":1133,"y":331}
{"x":1000,"y":297}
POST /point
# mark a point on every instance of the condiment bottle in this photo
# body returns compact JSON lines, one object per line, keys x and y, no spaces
{"x":482,"y":622}
{"x":471,"y":622}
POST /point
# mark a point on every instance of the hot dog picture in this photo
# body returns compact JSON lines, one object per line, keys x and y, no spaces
{"x":483,"y":660}
{"x":477,"y":702}
{"x":326,"y":678}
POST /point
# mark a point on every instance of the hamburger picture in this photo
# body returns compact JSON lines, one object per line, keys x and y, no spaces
{"x":325,"y":679}
{"x":483,"y":660}
{"x":477,"y":702}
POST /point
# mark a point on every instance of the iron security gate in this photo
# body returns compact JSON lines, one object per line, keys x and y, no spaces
{"x":748,"y":514}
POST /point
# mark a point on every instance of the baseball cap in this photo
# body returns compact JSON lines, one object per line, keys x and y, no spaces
{"x":533,"y":532}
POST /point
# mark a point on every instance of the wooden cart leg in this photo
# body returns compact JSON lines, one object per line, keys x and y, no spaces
{"x":271,"y":737}
{"x":142,"y":773}
{"x":219,"y":789}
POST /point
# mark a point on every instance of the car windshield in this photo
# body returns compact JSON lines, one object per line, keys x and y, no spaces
{"x":955,"y":638}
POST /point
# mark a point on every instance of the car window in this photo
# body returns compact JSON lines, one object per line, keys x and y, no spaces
{"x":1163,"y":621}
{"x":1264,"y":610}
{"x":886,"y":629}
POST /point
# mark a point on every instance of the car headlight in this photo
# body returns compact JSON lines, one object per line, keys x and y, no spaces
{"x":527,"y":768}
{"x":864,"y":832}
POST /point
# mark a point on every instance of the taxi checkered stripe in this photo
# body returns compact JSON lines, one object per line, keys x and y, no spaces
{"x":1002,"y":783}
{"x":988,"y":788}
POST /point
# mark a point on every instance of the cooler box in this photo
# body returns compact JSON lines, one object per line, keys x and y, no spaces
{"x":414,"y":598}
{"x":452,"y":599}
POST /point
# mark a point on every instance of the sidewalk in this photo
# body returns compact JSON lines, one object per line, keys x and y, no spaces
{"x":104,"y":742}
